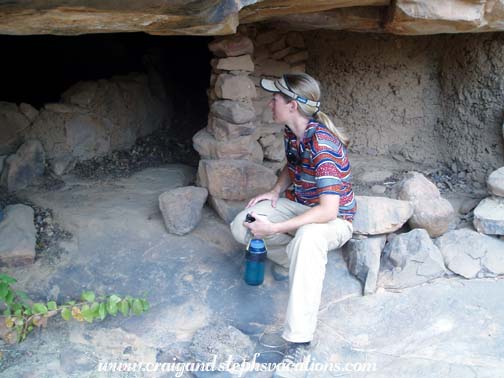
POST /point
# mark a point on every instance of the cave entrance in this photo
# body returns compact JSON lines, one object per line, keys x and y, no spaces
{"x":120,"y":87}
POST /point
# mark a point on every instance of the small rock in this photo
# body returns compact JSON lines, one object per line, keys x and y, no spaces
{"x":495,"y":182}
{"x":416,"y":186}
{"x":181,"y":208}
{"x":363,"y":259}
{"x":411,"y":259}
{"x":222,"y":341}
{"x":489,"y":216}
{"x":430,"y":211}
{"x":18,"y":235}
{"x":380,"y":215}
{"x":433,"y":215}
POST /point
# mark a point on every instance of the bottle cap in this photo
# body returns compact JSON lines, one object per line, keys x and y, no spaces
{"x":257,"y":246}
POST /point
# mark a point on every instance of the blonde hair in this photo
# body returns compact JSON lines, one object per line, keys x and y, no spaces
{"x":306,"y":86}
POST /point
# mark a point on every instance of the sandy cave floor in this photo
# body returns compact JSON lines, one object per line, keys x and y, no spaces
{"x":107,"y":235}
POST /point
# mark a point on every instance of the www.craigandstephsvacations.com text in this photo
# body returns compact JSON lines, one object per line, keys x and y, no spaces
{"x":237,"y":368}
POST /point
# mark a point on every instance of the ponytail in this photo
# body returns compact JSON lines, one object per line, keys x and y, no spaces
{"x":324,"y":118}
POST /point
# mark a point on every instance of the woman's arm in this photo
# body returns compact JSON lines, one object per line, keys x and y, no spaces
{"x":282,"y":183}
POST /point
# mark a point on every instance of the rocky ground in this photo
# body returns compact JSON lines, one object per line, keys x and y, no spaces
{"x":114,"y":239}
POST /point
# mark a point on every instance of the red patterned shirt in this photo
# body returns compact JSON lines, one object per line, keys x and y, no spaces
{"x":320,"y":166}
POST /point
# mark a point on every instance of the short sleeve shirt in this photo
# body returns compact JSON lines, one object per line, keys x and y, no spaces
{"x":322,"y":168}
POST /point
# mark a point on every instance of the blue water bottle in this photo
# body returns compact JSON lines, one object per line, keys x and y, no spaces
{"x":255,"y":260}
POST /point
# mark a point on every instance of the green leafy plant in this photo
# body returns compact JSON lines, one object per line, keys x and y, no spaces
{"x":21,"y":315}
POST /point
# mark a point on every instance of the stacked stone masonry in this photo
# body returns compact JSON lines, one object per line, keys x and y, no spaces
{"x":241,"y":133}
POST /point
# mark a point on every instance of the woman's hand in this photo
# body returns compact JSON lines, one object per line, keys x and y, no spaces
{"x":261,"y":227}
{"x":272,"y":195}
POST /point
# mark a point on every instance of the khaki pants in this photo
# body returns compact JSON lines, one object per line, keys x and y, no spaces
{"x":305,"y":256}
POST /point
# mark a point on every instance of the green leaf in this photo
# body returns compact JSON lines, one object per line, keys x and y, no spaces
{"x":88,"y":296}
{"x":114,"y":299}
{"x":87,"y":313}
{"x":94,"y":309}
{"x":124,"y":307}
{"x":9,"y":298}
{"x":27,"y":312}
{"x":71,"y":303}
{"x":102,"y":311}
{"x":137,"y":307}
{"x":18,"y":312}
{"x":66,"y":313}
{"x":39,"y":308}
{"x":7,"y":279}
{"x":7,"y":312}
{"x":4,"y":288}
{"x":145,"y":304}
{"x":112,"y":308}
{"x":52,"y":305}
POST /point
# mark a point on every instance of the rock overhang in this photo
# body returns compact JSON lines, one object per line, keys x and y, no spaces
{"x":222,"y":17}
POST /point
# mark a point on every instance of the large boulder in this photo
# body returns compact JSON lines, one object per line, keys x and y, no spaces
{"x":181,"y":208}
{"x":380,"y":215}
{"x":495,"y":182}
{"x":430,"y":211}
{"x":234,"y":179}
{"x":489,"y":216}
{"x":363,"y":260}
{"x":411,"y":259}
{"x":471,"y":254}
{"x":22,"y":168}
{"x":18,"y":236}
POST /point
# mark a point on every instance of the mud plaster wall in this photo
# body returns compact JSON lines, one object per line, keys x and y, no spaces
{"x":472,"y":83}
{"x":425,"y":99}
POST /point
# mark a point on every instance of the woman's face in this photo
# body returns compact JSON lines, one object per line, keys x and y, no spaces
{"x":280,"y":108}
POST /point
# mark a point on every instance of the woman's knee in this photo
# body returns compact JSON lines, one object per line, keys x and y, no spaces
{"x":238,"y":230}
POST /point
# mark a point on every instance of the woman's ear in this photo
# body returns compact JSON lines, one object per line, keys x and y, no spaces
{"x":293,"y":105}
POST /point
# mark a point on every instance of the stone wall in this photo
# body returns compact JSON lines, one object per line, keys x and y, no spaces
{"x":241,"y":147}
{"x":424,"y":99}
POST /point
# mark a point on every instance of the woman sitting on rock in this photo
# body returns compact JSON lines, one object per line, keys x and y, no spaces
{"x":317,"y":212}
